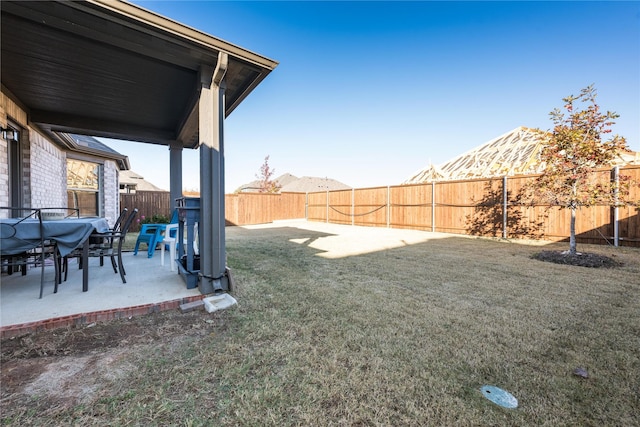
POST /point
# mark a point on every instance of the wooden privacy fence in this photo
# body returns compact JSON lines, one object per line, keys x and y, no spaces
{"x":149,"y":203}
{"x":483,"y":207}
{"x":240,"y":209}
{"x":260,"y":208}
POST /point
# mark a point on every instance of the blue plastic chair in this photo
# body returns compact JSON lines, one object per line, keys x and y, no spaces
{"x":151,"y":235}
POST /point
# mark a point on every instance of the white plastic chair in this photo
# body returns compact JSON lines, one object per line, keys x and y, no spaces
{"x":171,"y":241}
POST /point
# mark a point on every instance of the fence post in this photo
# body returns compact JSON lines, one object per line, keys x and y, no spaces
{"x":616,"y":213}
{"x":433,"y":206}
{"x":353,"y":206}
{"x":504,"y":207}
{"x":327,"y":206}
{"x":306,"y":206}
{"x":388,"y":206}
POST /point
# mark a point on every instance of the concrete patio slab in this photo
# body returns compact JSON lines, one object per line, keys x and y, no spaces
{"x":150,"y":287}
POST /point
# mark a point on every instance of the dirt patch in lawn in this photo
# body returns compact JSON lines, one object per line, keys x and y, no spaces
{"x":66,"y":367}
{"x":579,"y":259}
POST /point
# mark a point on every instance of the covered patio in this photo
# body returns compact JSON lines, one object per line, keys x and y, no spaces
{"x":113,"y":69}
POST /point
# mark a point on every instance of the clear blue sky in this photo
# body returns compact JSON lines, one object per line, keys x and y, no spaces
{"x":370,"y":92}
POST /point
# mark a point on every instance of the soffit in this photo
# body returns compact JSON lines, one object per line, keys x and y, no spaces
{"x":115,"y":70}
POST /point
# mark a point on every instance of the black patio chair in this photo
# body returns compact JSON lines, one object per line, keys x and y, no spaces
{"x":64,"y":264}
{"x":116,"y":226}
{"x":50,"y":246}
{"x":107,"y":244}
{"x":22,"y":241}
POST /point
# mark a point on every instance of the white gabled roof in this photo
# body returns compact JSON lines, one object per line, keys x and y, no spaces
{"x":515,"y":153}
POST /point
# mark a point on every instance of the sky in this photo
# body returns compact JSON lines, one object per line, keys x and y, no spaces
{"x":368,"y":93}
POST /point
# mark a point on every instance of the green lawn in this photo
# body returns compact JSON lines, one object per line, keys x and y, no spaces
{"x":130,"y":242}
{"x":396,"y":337}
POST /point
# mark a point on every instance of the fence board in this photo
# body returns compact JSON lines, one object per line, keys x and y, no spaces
{"x":370,"y":207}
{"x":456,"y":205}
{"x":317,"y":206}
{"x":411,"y":207}
{"x":340,"y":211}
{"x":629,"y":217}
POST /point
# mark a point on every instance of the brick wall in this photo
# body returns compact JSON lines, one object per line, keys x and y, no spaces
{"x":111,"y":191}
{"x":48,"y":173}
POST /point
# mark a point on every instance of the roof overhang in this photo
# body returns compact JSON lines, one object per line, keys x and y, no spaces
{"x":89,"y":146}
{"x":113,"y":69}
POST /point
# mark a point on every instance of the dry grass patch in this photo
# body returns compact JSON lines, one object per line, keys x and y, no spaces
{"x":403,"y":336}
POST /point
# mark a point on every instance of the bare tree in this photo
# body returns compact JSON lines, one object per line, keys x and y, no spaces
{"x":267,"y":184}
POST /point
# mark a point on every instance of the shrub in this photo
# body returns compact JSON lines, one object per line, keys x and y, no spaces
{"x":155,"y":219}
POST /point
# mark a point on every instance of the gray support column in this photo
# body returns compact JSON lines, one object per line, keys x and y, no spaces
{"x":212,"y":215}
{"x":175,"y":173}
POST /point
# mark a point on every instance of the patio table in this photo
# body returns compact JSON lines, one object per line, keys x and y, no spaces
{"x":69,"y":234}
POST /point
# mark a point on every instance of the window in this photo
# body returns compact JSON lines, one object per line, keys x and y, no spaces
{"x":14,"y":152}
{"x":84,"y":186}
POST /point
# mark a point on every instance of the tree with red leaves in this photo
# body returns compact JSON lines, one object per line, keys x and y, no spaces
{"x":267,"y":184}
{"x":574,"y":151}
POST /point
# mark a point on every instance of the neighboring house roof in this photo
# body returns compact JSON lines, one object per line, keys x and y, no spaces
{"x":292,"y":184}
{"x":131,"y":179}
{"x":89,"y":145}
{"x":515,"y":153}
{"x":285,"y":179}
{"x":310,"y":184}
{"x":114,"y":69}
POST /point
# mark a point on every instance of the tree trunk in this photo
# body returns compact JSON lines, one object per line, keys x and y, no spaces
{"x":572,"y":233}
